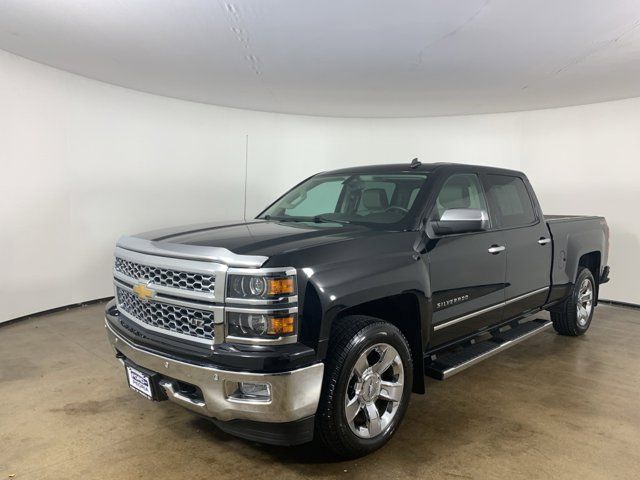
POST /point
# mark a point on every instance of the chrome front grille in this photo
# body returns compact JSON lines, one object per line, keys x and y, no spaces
{"x":173,"y":296}
{"x":165,"y":277}
{"x":174,"y":318}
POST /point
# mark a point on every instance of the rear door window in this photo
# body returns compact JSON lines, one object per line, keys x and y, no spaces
{"x":510,"y":198}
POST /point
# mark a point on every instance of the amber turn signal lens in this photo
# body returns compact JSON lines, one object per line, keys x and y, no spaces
{"x":280,"y":286}
{"x":282,"y":325}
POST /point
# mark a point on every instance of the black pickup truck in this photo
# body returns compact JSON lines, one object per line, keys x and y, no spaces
{"x":319,"y":318}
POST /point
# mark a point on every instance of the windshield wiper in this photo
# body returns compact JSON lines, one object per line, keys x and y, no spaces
{"x":323,"y":219}
{"x":282,"y":219}
{"x":316,"y":219}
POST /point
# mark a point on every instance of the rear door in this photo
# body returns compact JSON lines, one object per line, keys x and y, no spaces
{"x":467,"y":280}
{"x":527,"y":241}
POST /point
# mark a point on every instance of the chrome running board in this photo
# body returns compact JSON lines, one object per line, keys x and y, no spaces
{"x":447,"y":364}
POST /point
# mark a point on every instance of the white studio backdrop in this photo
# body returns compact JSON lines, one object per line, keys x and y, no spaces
{"x":83,"y":162}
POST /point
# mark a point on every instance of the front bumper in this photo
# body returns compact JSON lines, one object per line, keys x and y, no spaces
{"x":294,"y":394}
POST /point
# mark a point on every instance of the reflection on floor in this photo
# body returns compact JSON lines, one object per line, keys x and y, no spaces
{"x":552,"y":407}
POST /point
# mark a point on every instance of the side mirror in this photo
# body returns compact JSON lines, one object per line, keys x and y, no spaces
{"x":461,"y":220}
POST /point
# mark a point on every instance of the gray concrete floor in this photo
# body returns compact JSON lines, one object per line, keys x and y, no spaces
{"x":551,"y":407}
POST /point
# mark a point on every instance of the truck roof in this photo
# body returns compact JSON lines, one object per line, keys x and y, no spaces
{"x":423,"y":167}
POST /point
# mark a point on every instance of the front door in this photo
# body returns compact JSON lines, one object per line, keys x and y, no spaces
{"x":467,"y":270}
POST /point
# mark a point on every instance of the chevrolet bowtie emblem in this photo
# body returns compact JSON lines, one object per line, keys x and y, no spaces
{"x":143,"y":292}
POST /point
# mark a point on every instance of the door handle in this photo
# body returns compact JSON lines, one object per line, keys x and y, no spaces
{"x":544,"y":241}
{"x":496,"y":249}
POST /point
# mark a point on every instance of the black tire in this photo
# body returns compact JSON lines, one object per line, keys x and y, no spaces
{"x":351,"y":337}
{"x":566,"y":320}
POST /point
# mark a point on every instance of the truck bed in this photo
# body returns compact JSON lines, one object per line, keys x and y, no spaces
{"x":573,"y":237}
{"x":569,"y":218}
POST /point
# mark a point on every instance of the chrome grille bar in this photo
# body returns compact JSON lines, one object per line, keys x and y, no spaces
{"x":203,"y":281}
{"x":173,"y":319}
{"x":195,"y":282}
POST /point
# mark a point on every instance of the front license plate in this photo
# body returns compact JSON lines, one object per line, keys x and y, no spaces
{"x":139,"y":382}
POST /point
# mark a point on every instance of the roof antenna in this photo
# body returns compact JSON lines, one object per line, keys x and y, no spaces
{"x":415,"y":163}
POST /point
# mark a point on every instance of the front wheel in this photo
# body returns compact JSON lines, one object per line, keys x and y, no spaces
{"x":367,"y":386}
{"x":574,"y":316}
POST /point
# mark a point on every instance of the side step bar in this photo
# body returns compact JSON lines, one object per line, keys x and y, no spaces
{"x":443,"y":367}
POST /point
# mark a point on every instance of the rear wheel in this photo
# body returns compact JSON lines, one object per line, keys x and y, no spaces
{"x":368,"y":380}
{"x":573,"y":318}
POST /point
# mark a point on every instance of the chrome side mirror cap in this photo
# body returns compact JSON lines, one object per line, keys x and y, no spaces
{"x":461,"y":220}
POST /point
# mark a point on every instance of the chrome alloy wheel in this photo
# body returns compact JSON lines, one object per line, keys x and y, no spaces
{"x":585,"y":302}
{"x":374,"y":390}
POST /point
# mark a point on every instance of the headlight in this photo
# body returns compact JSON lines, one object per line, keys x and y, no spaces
{"x":261,"y":325}
{"x":261,"y":287}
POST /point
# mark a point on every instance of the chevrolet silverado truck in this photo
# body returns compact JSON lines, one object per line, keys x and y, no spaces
{"x":320,"y":317}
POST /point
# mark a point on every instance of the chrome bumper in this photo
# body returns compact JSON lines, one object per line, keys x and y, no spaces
{"x":294,"y":394}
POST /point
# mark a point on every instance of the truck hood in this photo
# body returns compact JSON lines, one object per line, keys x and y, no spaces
{"x":261,"y":237}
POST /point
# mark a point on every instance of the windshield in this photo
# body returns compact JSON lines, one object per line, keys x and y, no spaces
{"x":376,"y":198}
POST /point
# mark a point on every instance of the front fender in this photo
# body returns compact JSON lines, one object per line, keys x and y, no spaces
{"x":342,"y":287}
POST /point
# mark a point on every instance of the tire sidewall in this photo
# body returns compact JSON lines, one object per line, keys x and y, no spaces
{"x":368,"y":336}
{"x":582,"y":275}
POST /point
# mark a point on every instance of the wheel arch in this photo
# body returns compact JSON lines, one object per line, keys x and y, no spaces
{"x":592,"y":261}
{"x":403,"y":311}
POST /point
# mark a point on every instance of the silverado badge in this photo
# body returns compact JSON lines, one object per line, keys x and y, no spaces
{"x":143,"y":292}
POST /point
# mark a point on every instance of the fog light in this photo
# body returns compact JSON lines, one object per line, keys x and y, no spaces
{"x":251,"y":392}
{"x":255,"y":390}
